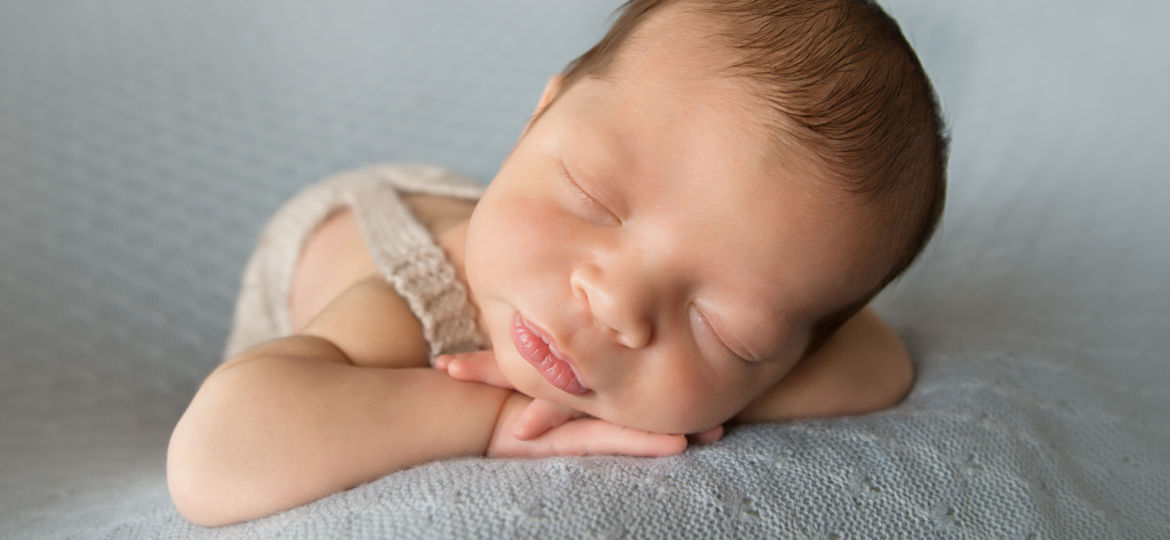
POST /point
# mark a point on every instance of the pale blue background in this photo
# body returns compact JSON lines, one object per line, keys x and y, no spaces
{"x":143,"y":144}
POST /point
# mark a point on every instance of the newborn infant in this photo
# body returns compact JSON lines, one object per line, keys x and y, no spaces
{"x":686,"y":234}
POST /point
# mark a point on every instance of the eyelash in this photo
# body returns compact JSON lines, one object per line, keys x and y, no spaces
{"x":715,"y":336}
{"x":595,"y":207}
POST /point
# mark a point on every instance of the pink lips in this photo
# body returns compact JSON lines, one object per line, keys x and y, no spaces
{"x":534,"y":347}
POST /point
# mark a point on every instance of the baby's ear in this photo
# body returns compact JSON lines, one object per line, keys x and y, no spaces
{"x":551,"y":89}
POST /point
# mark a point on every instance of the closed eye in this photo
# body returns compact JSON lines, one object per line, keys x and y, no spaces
{"x":589,"y":202}
{"x":714,"y":336}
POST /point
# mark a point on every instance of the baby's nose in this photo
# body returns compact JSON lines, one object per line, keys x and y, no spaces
{"x":634,"y":336}
{"x":617,"y":305}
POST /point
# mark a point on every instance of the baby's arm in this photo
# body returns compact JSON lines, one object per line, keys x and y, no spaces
{"x":300,"y":417}
{"x":293,"y":420}
{"x":862,"y":367}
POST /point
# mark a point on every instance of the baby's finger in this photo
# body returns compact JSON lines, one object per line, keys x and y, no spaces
{"x":709,"y":436}
{"x":540,"y":416}
{"x":598,"y":437}
{"x":478,"y":366}
{"x":443,"y":361}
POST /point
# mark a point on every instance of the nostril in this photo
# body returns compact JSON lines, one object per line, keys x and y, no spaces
{"x":578,"y":285}
{"x":613,"y":306}
{"x":625,"y":339}
{"x":579,"y":293}
{"x":634,"y":336}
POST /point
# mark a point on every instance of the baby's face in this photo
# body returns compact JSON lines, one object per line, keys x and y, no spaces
{"x":639,"y":257}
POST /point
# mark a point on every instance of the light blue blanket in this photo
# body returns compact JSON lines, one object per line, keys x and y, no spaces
{"x":143,"y":144}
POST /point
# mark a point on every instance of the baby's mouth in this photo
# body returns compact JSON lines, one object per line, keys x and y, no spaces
{"x":532,"y":344}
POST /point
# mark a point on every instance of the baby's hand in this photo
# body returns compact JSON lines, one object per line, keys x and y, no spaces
{"x":480,"y":366}
{"x":536,"y":427}
{"x":577,"y":436}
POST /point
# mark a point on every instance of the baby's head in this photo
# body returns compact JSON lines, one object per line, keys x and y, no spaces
{"x":700,"y":200}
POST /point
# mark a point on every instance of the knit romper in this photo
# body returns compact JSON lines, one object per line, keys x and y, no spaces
{"x":402,"y":248}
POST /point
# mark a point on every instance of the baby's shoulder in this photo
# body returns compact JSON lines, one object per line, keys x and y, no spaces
{"x":335,"y":277}
{"x":335,"y":255}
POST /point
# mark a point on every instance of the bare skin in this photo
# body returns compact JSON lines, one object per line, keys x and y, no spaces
{"x":343,"y":360}
{"x":350,"y":397}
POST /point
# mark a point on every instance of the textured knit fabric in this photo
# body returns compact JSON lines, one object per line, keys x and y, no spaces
{"x":401,"y":247}
{"x":144,"y":144}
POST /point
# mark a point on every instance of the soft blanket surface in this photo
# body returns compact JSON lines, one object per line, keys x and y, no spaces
{"x":143,"y":144}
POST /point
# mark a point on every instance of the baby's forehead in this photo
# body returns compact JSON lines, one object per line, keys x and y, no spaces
{"x":691,"y":42}
{"x":698,"y":90}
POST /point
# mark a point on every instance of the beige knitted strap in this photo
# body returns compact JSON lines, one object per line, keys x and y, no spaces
{"x":402,"y":248}
{"x":407,"y":256}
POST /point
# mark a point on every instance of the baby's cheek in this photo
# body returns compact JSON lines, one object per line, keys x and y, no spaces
{"x":683,"y":405}
{"x":713,"y":400}
{"x":518,"y":372}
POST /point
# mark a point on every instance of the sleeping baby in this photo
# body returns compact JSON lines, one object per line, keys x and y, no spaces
{"x":685,"y":235}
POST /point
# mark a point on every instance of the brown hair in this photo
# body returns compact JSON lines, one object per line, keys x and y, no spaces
{"x":848,"y":88}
